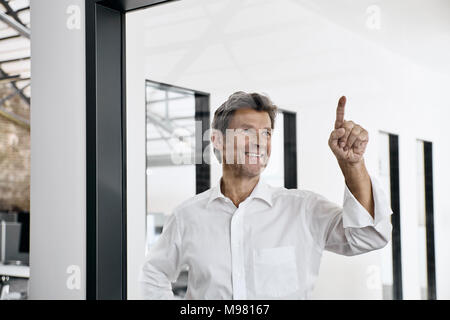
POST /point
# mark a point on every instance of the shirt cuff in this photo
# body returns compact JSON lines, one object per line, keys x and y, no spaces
{"x":356,"y":216}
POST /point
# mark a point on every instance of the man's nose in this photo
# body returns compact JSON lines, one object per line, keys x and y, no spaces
{"x":258,"y":142}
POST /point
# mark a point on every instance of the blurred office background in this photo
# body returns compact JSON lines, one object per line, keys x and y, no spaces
{"x":14,"y":148}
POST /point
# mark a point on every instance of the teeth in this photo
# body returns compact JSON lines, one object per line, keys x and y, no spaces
{"x":254,"y":154}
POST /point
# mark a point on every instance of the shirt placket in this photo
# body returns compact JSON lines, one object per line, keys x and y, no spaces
{"x":237,"y":253}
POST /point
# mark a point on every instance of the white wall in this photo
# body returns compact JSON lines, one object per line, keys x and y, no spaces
{"x":58,"y":156}
{"x":136,"y":158}
{"x":305,"y":55}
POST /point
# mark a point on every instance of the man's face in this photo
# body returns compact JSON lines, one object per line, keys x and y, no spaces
{"x":247,"y":144}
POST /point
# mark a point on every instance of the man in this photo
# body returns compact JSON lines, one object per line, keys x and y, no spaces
{"x":244,"y":239}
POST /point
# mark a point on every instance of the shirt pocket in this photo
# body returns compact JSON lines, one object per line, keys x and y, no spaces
{"x":275,"y":271}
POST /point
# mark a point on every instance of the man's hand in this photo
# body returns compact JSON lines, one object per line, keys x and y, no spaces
{"x":348,"y":140}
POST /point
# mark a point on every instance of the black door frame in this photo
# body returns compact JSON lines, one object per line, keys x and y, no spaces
{"x":394,"y":165}
{"x":106,"y":146}
{"x":429,"y":218}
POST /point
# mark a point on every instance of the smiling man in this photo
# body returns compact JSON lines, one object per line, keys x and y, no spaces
{"x":245,"y":239}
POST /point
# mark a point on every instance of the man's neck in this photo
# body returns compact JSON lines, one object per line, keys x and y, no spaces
{"x":237,"y":188}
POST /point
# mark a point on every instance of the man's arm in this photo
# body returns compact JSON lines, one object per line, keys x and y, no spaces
{"x":358,"y":181}
{"x":363,"y":222}
{"x":349,"y":229}
{"x":163,"y":263}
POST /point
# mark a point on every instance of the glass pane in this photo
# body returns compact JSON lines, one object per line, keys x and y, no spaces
{"x":304,"y":55}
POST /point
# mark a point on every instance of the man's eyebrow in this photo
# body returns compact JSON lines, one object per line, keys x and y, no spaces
{"x":250,"y":126}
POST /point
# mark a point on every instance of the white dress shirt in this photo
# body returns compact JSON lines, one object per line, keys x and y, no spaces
{"x":269,"y":247}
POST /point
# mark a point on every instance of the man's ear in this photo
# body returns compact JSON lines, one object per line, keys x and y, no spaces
{"x":217,"y":139}
{"x":218,"y":143}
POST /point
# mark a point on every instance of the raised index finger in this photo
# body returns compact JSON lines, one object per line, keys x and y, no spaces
{"x":340,"y":112}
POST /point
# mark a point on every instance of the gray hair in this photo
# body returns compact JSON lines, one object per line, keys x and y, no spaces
{"x":241,"y":100}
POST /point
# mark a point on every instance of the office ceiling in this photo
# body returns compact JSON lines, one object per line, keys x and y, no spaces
{"x":15,"y":60}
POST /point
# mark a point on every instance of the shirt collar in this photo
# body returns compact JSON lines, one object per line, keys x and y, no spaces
{"x":261,"y":191}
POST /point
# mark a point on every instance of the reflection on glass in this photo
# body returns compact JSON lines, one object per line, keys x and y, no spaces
{"x":170,"y":134}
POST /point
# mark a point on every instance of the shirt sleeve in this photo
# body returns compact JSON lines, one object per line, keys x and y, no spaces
{"x":162,"y":265}
{"x":350,"y":229}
